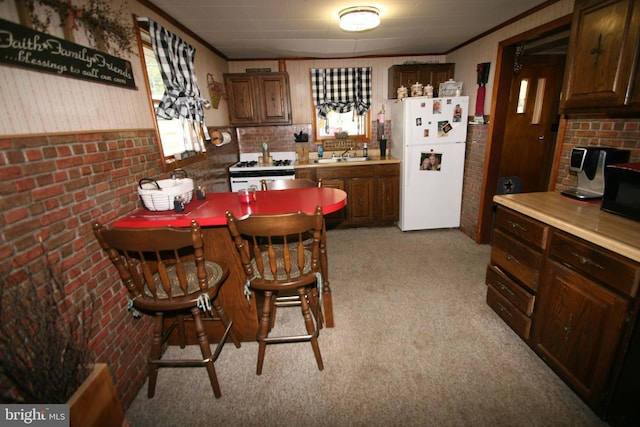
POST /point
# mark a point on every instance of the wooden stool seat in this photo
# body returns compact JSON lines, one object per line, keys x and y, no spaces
{"x":277,"y":260}
{"x":166,"y":275}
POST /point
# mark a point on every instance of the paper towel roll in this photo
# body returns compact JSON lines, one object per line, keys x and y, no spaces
{"x":220,"y":138}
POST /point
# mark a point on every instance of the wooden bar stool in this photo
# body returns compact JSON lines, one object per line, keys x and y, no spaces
{"x":284,"y":184}
{"x":273,"y":268}
{"x":166,"y":274}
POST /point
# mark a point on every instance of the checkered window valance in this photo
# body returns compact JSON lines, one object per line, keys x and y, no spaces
{"x":341,"y":90}
{"x":175,"y":57}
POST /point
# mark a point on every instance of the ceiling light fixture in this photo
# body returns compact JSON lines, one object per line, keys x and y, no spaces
{"x":359,"y":18}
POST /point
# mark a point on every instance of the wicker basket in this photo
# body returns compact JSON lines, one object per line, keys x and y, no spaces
{"x":160,"y":195}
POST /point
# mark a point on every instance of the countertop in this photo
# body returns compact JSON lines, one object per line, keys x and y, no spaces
{"x":212,"y":210}
{"x":372,"y":160}
{"x":581,"y":219}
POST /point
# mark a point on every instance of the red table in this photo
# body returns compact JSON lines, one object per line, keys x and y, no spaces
{"x":212,"y":210}
{"x":210,"y":214}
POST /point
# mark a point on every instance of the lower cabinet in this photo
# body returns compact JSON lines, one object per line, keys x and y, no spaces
{"x":360,"y":200}
{"x":574,"y":303}
{"x":387,"y":201}
{"x":373,"y":192}
{"x":578,"y":329}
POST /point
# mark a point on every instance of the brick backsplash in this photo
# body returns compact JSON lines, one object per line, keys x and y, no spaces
{"x":281,"y":138}
{"x":618,"y":133}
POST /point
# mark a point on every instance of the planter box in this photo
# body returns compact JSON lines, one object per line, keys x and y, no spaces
{"x":96,"y":402}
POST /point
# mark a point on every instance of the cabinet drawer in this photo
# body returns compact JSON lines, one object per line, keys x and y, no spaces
{"x":344,"y":172}
{"x":388,"y":170}
{"x":604,"y":265}
{"x":518,"y":260}
{"x":513,"y":317}
{"x":509,"y":289}
{"x":527,"y":229}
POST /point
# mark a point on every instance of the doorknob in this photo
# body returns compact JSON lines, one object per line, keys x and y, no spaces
{"x":541,"y":138}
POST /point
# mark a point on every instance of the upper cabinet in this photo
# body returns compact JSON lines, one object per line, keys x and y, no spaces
{"x":258,"y":98}
{"x":406,"y":75}
{"x":602,"y":62}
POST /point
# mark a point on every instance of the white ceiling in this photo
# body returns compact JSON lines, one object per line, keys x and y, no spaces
{"x":255,"y":29}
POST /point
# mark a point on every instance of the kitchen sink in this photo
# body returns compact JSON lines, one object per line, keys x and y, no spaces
{"x":341,"y":160}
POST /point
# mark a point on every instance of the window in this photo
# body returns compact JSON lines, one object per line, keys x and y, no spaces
{"x":356,"y":126}
{"x":522,"y":96}
{"x":180,"y":127}
{"x":342,"y":102}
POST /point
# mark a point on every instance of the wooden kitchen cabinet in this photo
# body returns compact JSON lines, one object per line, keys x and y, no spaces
{"x":602,"y":63}
{"x":358,"y":182}
{"x":387,"y":189}
{"x":573,"y":302}
{"x":258,"y":98}
{"x":583,"y":309}
{"x":360,"y":209}
{"x":372,"y":192}
{"x":513,"y":272}
{"x":408,"y":74}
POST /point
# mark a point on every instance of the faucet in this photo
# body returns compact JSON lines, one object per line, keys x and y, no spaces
{"x":346,"y":151}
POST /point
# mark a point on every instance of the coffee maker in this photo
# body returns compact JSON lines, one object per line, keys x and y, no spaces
{"x":589,"y":163}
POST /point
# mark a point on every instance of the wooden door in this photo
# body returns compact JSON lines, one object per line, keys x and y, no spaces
{"x":438,"y":73}
{"x":602,"y":54}
{"x":360,"y":207}
{"x":531,"y":121}
{"x":578,"y":326}
{"x":388,"y":199}
{"x":274,"y":100}
{"x":402,"y":75}
{"x":241,"y":90}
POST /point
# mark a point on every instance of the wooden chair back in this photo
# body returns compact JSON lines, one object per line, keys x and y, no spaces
{"x":160,"y":267}
{"x":273,"y":250}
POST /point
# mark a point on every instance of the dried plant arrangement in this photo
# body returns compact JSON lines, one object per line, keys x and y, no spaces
{"x":97,"y":18}
{"x":44,"y":337}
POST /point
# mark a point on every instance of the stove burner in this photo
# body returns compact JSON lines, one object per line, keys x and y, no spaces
{"x":254,"y":163}
{"x":250,"y":164}
{"x":281,"y":162}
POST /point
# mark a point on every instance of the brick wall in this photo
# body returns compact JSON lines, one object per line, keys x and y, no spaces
{"x":54,"y":187}
{"x":618,"y":133}
{"x":473,"y":175}
{"x":281,"y":138}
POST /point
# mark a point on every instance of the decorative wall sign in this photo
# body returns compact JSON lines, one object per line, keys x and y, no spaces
{"x":29,"y":48}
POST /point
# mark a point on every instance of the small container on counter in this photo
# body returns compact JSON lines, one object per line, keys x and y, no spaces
{"x":383,"y":147}
{"x":200,"y":192}
{"x":247,"y":195}
{"x":178,"y":204}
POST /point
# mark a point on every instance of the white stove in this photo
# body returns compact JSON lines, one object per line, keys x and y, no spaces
{"x":248,"y":172}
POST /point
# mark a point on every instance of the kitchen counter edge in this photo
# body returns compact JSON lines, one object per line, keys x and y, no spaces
{"x":582,"y":219}
{"x":371,"y":161}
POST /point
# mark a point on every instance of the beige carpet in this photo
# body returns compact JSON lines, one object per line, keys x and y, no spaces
{"x":414,"y":345}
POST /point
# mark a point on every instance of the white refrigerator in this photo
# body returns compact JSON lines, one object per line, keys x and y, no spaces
{"x":429,"y":135}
